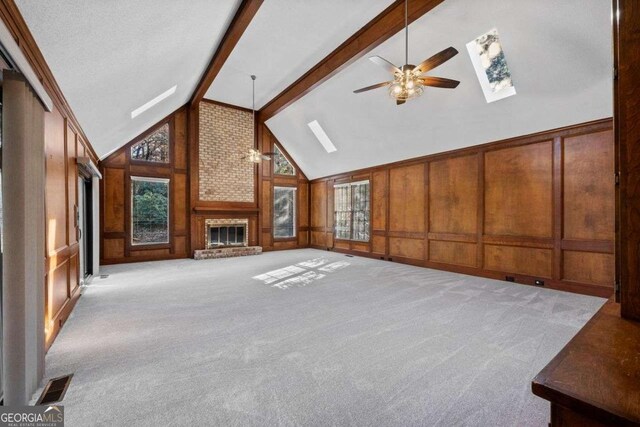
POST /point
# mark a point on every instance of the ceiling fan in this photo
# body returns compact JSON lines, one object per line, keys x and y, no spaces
{"x":409,"y":82}
{"x":254,"y":155}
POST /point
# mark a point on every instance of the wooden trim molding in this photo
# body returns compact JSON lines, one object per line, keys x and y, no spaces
{"x":374,"y":33}
{"x":239,"y":24}
{"x":627,"y":137}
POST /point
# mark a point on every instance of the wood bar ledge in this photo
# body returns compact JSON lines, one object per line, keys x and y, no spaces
{"x":595,"y":379}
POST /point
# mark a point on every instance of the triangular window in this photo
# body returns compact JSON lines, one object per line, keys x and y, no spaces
{"x":154,"y":148}
{"x":281,"y":165}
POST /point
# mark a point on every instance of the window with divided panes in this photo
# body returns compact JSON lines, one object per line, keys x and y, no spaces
{"x":352,"y":211}
{"x":284,"y":212}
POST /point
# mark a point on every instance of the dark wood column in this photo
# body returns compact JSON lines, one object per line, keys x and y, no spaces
{"x":626,"y":26}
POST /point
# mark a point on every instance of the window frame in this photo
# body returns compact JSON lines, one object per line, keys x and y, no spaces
{"x":166,"y":181}
{"x":350,"y":186}
{"x":273,"y":163}
{"x":295,"y":213}
{"x":142,"y":137}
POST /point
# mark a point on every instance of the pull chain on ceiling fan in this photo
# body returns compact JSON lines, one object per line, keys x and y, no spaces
{"x":408,"y":82}
{"x":255,"y":156}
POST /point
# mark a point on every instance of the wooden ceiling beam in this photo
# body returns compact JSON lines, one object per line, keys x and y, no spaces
{"x":239,"y":24}
{"x":379,"y":29}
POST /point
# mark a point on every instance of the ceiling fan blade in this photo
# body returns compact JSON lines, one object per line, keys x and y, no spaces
{"x":440,"y":82}
{"x":385,"y":64}
{"x":400,"y":102}
{"x":376,"y":86}
{"x":436,"y":60}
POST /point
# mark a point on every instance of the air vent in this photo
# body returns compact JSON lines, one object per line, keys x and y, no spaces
{"x":350,"y":256}
{"x":104,"y":276}
{"x":54,"y":390}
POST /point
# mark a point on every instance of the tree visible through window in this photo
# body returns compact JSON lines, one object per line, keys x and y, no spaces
{"x":281,"y":165}
{"x":149,"y":210}
{"x":352,"y":211}
{"x":154,"y":148}
{"x":284,"y":212}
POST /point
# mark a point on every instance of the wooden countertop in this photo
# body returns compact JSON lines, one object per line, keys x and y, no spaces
{"x":597,"y":374}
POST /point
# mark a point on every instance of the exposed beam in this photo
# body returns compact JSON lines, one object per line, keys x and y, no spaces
{"x":239,"y":24}
{"x":378,"y":30}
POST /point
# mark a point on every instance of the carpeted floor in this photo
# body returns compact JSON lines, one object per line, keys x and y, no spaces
{"x":308,"y":337}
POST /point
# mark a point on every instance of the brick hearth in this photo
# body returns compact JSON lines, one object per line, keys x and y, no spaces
{"x":227,"y":252}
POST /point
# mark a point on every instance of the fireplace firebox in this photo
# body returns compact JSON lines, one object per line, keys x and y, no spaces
{"x":222,"y":233}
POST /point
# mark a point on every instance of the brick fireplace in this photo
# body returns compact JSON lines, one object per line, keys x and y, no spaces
{"x":221,"y":233}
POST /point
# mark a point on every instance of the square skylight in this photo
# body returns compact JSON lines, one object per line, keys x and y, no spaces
{"x":322,"y":136}
{"x":491,"y":66}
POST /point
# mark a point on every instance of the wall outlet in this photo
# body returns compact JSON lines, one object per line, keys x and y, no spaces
{"x":539,"y":282}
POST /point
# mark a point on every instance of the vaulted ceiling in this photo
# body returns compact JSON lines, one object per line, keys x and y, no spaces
{"x":111,"y":57}
{"x":284,"y":40}
{"x":560,"y":58}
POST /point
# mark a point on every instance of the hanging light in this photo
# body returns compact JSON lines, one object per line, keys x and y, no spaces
{"x":254,"y":155}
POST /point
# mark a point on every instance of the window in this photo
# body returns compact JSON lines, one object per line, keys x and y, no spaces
{"x":149,"y":210}
{"x":284,"y":212}
{"x":281,"y":165}
{"x":351,"y":211}
{"x":154,"y":148}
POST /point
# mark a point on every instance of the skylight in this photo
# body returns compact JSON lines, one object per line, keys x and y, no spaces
{"x":153,"y":102}
{"x":491,"y":66}
{"x":322,"y":136}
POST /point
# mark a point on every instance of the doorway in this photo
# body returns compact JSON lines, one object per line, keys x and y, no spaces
{"x":85,"y":227}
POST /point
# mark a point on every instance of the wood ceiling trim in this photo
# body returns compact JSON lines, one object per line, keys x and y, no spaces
{"x":11,"y":16}
{"x":374,"y":33}
{"x":239,"y":24}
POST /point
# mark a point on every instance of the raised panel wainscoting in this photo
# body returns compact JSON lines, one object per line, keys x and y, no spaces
{"x":534,"y":208}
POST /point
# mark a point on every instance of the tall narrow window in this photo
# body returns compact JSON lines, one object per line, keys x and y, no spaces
{"x":284,"y":212}
{"x":154,"y":148}
{"x":281,"y":165}
{"x":149,"y":211}
{"x":352,"y":211}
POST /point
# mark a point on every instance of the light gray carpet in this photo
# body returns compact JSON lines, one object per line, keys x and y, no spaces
{"x":308,"y":337}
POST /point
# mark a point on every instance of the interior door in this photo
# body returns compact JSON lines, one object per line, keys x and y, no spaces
{"x":80,"y":221}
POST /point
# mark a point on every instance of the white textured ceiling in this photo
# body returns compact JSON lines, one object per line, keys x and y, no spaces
{"x":111,"y":57}
{"x":284,"y":40}
{"x":559,"y":53}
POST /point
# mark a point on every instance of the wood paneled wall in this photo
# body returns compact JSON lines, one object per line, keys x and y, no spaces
{"x":115,"y":194}
{"x":63,"y":144}
{"x":268,"y":180}
{"x":539,"y":207}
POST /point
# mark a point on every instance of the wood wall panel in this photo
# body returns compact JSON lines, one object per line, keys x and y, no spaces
{"x":406,"y":199}
{"x":74,"y":274}
{"x":453,"y":195}
{"x":518,"y":191}
{"x":378,"y":244}
{"x":303,"y":203}
{"x":113,"y":248}
{"x":113,"y":199}
{"x":589,"y":187}
{"x":493,"y":210}
{"x":589,"y":267}
{"x":117,"y":170}
{"x":456,"y":253}
{"x":180,"y":200}
{"x":59,"y":293}
{"x":512,"y":259}
{"x":379,"y":200}
{"x":56,"y":184}
{"x":72,"y":183}
{"x":319,"y":204}
{"x":406,"y":248}
{"x":267,"y":181}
